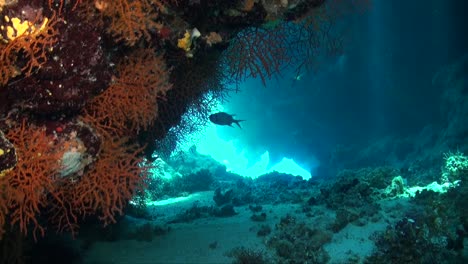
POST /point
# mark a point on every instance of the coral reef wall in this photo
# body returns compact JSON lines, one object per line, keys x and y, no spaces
{"x":87,"y":86}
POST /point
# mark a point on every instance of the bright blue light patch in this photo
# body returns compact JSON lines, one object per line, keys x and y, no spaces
{"x":289,"y":166}
{"x":209,"y":143}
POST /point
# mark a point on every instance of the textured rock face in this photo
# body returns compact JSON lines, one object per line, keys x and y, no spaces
{"x":73,"y":66}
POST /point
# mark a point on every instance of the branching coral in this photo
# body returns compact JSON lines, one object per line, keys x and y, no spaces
{"x":29,"y":39}
{"x":113,"y":181}
{"x":36,"y":185}
{"x":130,"y":20}
{"x":198,"y":84}
{"x":265,"y":51}
{"x":104,"y":190}
{"x":257,"y":52}
{"x":25,"y":188}
{"x":65,"y":67}
{"x":67,"y":79}
{"x":130,"y":103}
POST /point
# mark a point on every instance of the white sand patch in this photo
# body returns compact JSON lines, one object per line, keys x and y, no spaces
{"x":166,"y":210}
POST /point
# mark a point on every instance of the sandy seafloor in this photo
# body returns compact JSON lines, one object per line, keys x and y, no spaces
{"x":190,"y":242}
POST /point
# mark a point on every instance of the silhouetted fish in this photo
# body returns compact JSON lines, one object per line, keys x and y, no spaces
{"x":224,"y":119}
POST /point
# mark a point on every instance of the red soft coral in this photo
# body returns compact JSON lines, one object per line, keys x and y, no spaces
{"x":104,"y":190}
{"x":25,"y":188}
{"x":33,"y":46}
{"x":130,"y":20}
{"x":113,"y":181}
{"x":130,"y":103}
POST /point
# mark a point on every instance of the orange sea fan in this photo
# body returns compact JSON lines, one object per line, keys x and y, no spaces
{"x":130,"y":20}
{"x":130,"y":103}
{"x":113,"y":181}
{"x":104,"y":190}
{"x":25,"y":188}
{"x":33,"y":45}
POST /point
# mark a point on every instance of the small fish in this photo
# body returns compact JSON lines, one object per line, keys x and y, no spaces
{"x":224,"y":119}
